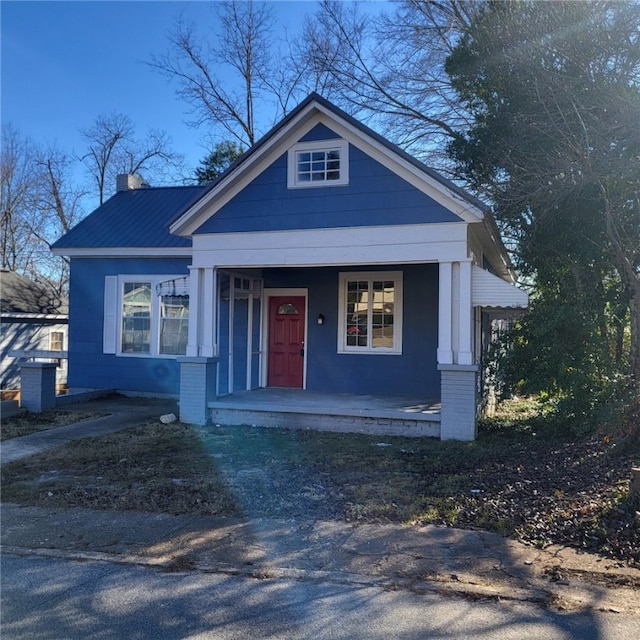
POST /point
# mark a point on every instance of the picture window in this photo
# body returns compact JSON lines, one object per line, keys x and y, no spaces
{"x":370,"y":309}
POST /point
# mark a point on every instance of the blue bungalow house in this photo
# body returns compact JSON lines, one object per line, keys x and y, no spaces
{"x":325,"y":263}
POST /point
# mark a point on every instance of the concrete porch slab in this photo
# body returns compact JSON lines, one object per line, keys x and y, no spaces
{"x":301,"y":409}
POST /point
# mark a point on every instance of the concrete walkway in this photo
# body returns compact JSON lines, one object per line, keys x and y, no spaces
{"x":423,"y":559}
{"x":119,"y":413}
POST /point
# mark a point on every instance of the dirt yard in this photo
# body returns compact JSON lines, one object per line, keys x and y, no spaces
{"x":539,"y":488}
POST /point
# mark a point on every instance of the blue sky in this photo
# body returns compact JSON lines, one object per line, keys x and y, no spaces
{"x":65,"y":62}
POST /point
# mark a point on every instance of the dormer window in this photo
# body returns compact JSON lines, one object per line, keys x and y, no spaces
{"x":320,"y":163}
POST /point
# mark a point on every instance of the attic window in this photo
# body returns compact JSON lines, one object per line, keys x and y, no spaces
{"x":321,"y":163}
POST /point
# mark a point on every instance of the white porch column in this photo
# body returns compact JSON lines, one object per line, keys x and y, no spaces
{"x":209,"y":291}
{"x":445,"y":350}
{"x":465,"y":315}
{"x":198,"y":369}
{"x":193,"y":340}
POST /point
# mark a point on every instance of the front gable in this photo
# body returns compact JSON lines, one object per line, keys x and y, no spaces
{"x":386,"y":187}
{"x":373,"y":195}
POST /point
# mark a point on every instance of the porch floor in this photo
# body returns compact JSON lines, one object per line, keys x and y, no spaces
{"x":299,"y":408}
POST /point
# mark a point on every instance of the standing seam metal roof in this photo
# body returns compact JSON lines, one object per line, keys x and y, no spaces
{"x":134,"y":218}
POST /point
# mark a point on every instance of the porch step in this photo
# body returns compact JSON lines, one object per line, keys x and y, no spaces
{"x":326,"y":414}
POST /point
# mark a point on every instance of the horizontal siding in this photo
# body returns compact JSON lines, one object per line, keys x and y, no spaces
{"x":374,"y":196}
{"x":25,"y":336}
{"x":414,"y":373}
{"x":88,"y":366}
{"x":319,"y":132}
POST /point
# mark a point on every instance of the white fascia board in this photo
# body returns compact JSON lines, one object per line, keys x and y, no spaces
{"x":125,"y":252}
{"x":486,"y":237}
{"x":315,"y":114}
{"x":331,"y":247}
{"x":232,"y":184}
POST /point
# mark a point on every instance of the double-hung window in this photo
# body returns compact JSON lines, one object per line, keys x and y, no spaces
{"x":370,"y":312}
{"x":145,"y":316}
{"x":318,"y":163}
{"x":56,"y":341}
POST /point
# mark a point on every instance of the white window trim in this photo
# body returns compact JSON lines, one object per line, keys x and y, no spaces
{"x":318,"y":145}
{"x":64,"y":339}
{"x":396,"y":276}
{"x":113,"y":321}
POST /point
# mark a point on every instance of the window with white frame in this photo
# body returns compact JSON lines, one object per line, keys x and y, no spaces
{"x":56,"y":341}
{"x":370,"y":312}
{"x":136,"y":317}
{"x":319,"y":163}
{"x":174,"y":324}
{"x":145,"y":316}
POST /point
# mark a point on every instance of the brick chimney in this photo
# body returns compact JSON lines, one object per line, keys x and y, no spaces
{"x":127,"y":181}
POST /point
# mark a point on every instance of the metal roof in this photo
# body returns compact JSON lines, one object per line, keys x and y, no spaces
{"x":133,"y":218}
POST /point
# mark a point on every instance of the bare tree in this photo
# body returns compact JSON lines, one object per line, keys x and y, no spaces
{"x":390,"y":67}
{"x":113,"y":148}
{"x":244,"y":36}
{"x":59,"y":206}
{"x":39,"y":203}
{"x":18,"y":188}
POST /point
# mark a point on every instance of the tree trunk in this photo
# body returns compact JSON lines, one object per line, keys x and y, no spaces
{"x":631,"y":280}
{"x":634,"y":312}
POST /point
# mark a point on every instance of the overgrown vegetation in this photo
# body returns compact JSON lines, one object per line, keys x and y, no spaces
{"x":520,"y":478}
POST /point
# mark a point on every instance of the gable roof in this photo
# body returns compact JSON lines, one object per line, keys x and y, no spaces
{"x":20,"y":295}
{"x":313,"y":110}
{"x":136,"y":218}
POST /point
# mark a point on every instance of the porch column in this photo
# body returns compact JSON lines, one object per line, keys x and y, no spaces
{"x":197,"y":388}
{"x":38,"y":386}
{"x":458,"y":399}
{"x":458,"y":374}
{"x":455,"y":313}
{"x":445,"y":351}
{"x":195,"y":288}
{"x":465,"y":315}
{"x":199,"y":368}
{"x":209,"y":348}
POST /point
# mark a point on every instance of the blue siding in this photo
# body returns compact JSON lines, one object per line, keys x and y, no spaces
{"x":319,"y":132}
{"x":414,"y":373}
{"x":88,"y":366}
{"x":374,"y":196}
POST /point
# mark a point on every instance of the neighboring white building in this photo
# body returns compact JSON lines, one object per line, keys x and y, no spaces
{"x":32,"y":320}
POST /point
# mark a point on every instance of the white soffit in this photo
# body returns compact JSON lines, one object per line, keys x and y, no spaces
{"x":491,"y":291}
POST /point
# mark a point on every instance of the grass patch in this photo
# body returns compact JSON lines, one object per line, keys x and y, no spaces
{"x":153,"y":467}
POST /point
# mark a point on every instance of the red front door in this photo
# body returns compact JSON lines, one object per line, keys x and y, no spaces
{"x":286,"y":341}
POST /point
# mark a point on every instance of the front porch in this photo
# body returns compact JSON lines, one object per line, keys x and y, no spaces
{"x":347,"y":413}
